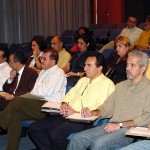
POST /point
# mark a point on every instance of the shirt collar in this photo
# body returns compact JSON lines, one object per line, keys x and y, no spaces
{"x":100,"y":77}
{"x":51,"y":69}
{"x":21,"y":70}
{"x":131,"y":28}
{"x":129,"y":83}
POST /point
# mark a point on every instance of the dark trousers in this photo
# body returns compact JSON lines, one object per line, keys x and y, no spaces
{"x":51,"y":132}
{"x":3,"y":103}
{"x":16,"y":111}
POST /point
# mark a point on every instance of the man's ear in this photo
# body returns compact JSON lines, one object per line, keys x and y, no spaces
{"x":143,"y":69}
{"x":100,"y":68}
{"x":88,"y":44}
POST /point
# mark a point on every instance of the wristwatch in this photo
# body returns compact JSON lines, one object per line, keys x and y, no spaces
{"x":120,"y":124}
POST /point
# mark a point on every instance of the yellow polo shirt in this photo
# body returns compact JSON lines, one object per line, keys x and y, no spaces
{"x":88,"y":94}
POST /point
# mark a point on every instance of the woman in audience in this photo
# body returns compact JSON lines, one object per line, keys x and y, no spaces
{"x":34,"y":59}
{"x":75,"y":68}
{"x":82,"y":31}
{"x":117,"y":61}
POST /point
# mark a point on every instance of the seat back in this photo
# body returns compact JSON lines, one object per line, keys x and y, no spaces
{"x":141,"y":26}
{"x":114,"y":34}
{"x":106,"y":52}
{"x":123,"y":25}
{"x":110,"y":27}
{"x":26,"y":49}
{"x":48,"y":40}
{"x":100,"y":34}
{"x":14,"y":47}
{"x":93,"y":27}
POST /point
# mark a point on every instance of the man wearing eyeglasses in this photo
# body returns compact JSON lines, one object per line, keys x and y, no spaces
{"x":143,"y":42}
{"x":20,"y":81}
{"x":131,"y":31}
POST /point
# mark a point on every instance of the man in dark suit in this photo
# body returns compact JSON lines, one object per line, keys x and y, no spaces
{"x":21,"y":80}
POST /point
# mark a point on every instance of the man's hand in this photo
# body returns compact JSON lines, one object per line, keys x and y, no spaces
{"x":86,"y":112}
{"x":12,"y":75}
{"x":66,"y":110}
{"x":71,"y":73}
{"x":7,"y":96}
{"x":110,"y":127}
{"x":149,"y":126}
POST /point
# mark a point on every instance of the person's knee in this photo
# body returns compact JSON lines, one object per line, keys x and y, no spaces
{"x":76,"y":138}
{"x":32,"y":129}
{"x":97,"y":145}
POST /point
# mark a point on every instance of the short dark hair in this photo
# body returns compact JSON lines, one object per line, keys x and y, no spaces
{"x":40,"y":42}
{"x":86,"y":30}
{"x":133,"y":16}
{"x":53,"y":55}
{"x":19,"y":56}
{"x":5,"y":52}
{"x":100,"y":60}
{"x":86,"y":38}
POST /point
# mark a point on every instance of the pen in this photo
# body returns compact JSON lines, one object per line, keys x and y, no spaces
{"x":84,"y":115}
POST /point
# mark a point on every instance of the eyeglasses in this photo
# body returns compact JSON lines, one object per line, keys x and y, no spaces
{"x":11,"y":63}
{"x":54,"y":43}
{"x":131,"y":21}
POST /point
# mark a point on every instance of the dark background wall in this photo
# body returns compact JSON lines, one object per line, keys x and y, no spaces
{"x":139,"y":8}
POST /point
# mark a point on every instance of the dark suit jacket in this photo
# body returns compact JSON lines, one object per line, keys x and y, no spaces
{"x":26,"y":83}
{"x":29,"y":59}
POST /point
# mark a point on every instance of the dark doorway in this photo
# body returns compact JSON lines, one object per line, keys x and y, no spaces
{"x":138,"y":8}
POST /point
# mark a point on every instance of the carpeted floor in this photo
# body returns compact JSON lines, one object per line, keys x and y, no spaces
{"x":25,"y":143}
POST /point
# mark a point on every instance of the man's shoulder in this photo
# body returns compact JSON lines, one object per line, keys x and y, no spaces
{"x":55,"y":70}
{"x":138,"y":29}
{"x":122,"y":84}
{"x":29,"y":71}
{"x":65,"y":52}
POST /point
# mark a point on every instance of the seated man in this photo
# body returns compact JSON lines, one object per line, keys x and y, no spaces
{"x":64,"y":56}
{"x":51,"y":84}
{"x":127,"y":106}
{"x":132,"y":32}
{"x":4,"y":67}
{"x":143,"y":42}
{"x":21,"y":80}
{"x":91,"y":91}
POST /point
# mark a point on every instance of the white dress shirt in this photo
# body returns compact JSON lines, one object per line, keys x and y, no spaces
{"x":19,"y":77}
{"x":32,"y":63}
{"x":4,"y":73}
{"x":51,"y":84}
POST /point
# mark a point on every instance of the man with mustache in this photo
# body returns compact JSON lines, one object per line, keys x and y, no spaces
{"x":128,"y":106}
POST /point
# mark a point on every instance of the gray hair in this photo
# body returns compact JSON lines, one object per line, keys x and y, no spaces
{"x":143,"y":56}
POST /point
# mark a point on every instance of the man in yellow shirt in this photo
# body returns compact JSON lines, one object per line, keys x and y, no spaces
{"x":90,"y":91}
{"x":64,"y":56}
{"x":143,"y":42}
